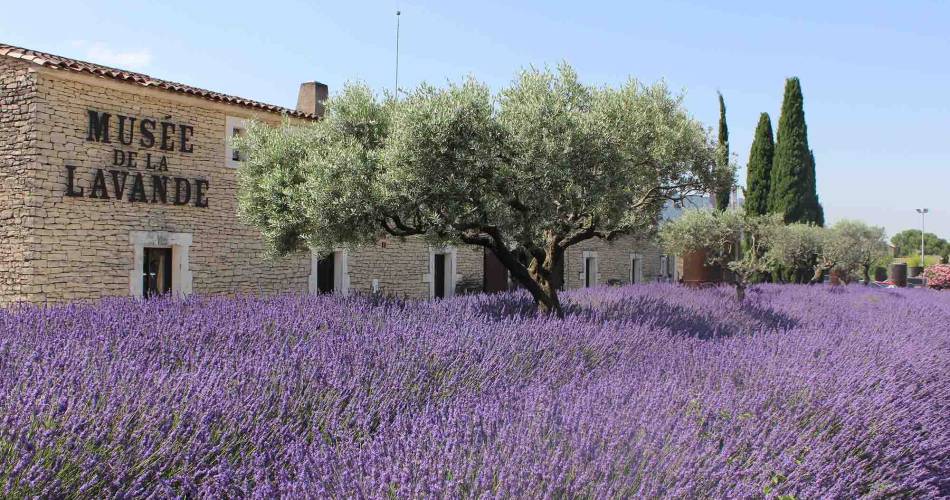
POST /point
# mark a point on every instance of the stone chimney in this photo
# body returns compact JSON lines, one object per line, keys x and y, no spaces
{"x":311,"y":97}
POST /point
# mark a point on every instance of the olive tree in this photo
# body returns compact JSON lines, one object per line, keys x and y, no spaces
{"x":816,"y":249}
{"x":795,"y":248}
{"x":732,"y":239}
{"x":544,"y":164}
{"x":865,"y":245}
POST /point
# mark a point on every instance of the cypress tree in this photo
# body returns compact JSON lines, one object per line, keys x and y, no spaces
{"x":791,"y":192}
{"x":725,"y":190}
{"x":814,"y":213}
{"x":760,"y":168}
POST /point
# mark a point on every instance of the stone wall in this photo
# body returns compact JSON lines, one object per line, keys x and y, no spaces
{"x":614,"y":260}
{"x":17,"y":166}
{"x":403,"y":267}
{"x":83,"y":244}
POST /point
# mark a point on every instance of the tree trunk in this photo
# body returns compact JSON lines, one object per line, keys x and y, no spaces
{"x":740,"y":291}
{"x":542,"y":273}
{"x":818,"y":276}
{"x":548,"y":301}
{"x":867,"y":274}
{"x":537,"y":277}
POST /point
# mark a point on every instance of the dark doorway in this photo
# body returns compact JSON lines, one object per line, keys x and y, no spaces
{"x":557,"y":275}
{"x":156,"y":271}
{"x":439,"y":275}
{"x":635,"y":269}
{"x":495,"y":277}
{"x":325,"y":273}
{"x":589,"y":271}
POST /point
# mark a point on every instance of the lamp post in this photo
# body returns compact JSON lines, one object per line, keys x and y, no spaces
{"x":922,"y":212}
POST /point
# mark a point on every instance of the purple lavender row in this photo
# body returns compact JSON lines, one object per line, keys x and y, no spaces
{"x":648,"y":391}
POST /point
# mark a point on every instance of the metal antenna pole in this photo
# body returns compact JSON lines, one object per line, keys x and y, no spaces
{"x":396,"y":93}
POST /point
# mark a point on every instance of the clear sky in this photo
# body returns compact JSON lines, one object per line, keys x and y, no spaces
{"x":875,"y":75}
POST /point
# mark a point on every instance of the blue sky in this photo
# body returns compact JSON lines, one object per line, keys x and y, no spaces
{"x":875,"y":75}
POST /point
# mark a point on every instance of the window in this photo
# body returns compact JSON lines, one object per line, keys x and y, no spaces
{"x":667,"y":265}
{"x":589,"y":272}
{"x":329,"y":273}
{"x":159,"y":263}
{"x":235,"y":127}
{"x":441,"y":276}
{"x":636,"y":268}
{"x":156,"y":271}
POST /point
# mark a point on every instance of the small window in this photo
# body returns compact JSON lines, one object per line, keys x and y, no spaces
{"x":236,"y":127}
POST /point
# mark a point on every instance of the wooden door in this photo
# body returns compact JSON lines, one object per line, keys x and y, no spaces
{"x":495,"y":277}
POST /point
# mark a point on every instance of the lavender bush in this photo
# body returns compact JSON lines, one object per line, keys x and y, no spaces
{"x":653,"y":391}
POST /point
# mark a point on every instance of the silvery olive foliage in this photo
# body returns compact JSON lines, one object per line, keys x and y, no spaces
{"x":795,"y":247}
{"x":732,"y":239}
{"x":541,"y":165}
{"x":864,"y":245}
{"x":849,"y":248}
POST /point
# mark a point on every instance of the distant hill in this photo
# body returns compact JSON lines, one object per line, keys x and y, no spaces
{"x":673,"y":211}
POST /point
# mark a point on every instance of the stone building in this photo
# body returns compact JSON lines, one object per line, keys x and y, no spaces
{"x":114,"y":183}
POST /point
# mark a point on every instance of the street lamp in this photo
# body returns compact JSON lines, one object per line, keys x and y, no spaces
{"x":922,"y":212}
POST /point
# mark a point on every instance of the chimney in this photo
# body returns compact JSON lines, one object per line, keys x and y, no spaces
{"x":311,"y":97}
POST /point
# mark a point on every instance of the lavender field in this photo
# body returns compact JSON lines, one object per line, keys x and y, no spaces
{"x":653,"y":391}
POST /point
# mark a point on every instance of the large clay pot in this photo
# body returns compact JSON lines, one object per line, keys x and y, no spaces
{"x":880,"y":273}
{"x":897,"y":274}
{"x":696,"y":272}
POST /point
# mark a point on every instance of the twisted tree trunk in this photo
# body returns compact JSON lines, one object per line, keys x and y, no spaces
{"x":537,"y":277}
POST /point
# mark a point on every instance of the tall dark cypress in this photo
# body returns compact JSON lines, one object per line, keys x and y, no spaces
{"x":760,"y":168}
{"x":815,"y":212}
{"x":724,"y":190}
{"x":791,"y":193}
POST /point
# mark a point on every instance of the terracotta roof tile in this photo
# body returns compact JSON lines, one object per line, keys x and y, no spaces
{"x":65,"y":63}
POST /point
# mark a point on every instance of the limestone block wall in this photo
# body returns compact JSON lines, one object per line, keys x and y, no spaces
{"x":403,"y":267}
{"x":18,"y":209}
{"x":81,"y":245}
{"x":614,"y":260}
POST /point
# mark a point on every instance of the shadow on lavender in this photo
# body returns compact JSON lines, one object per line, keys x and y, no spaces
{"x":642,"y":304}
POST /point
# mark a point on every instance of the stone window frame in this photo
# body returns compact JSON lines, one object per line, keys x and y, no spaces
{"x":232,"y":123}
{"x":583,"y":274}
{"x":452,"y":276}
{"x":636,"y":268}
{"x":182,"y":278}
{"x":341,"y":272}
